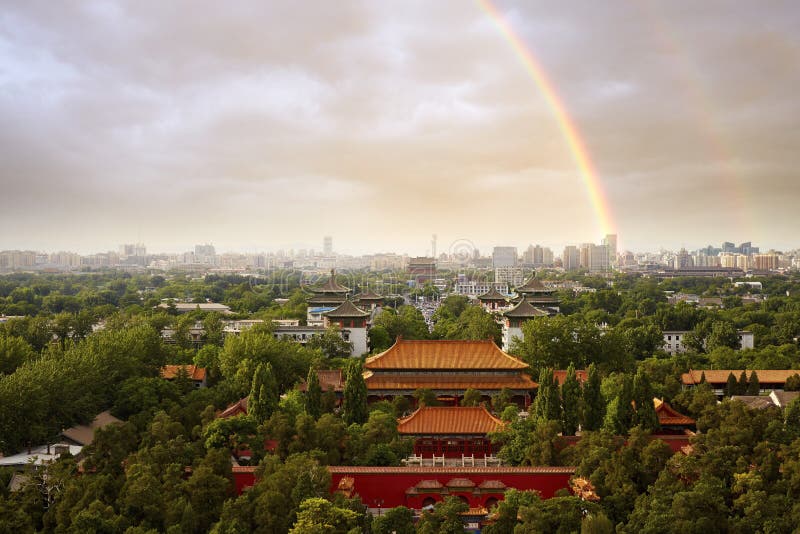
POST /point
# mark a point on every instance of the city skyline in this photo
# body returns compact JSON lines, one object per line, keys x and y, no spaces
{"x":670,"y":125}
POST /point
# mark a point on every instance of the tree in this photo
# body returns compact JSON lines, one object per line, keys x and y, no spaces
{"x":793,"y":383}
{"x":425,"y":397}
{"x":731,"y":386}
{"x":753,"y":387}
{"x":320,"y":516}
{"x":741,"y":386}
{"x":445,"y":518}
{"x":354,"y":404}
{"x":548,"y":402}
{"x":570,"y":402}
{"x":620,"y":413}
{"x":594,"y":406}
{"x":264,"y":397}
{"x":472,"y":397}
{"x":398,"y":520}
{"x":723,"y":334}
{"x":313,"y":398}
{"x":14,"y":351}
{"x":645,"y":415}
{"x":331,"y":343}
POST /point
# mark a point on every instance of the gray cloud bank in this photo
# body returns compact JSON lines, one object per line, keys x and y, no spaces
{"x":258,"y":124}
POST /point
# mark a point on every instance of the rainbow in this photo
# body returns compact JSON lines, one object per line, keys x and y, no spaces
{"x":567,"y":126}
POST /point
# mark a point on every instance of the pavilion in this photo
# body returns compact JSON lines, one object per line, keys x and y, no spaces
{"x":447,"y":367}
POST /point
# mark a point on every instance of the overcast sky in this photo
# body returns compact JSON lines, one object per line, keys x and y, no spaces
{"x":264,"y":125}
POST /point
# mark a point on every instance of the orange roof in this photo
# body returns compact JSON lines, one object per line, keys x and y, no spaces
{"x":448,"y":382}
{"x":237,"y":408}
{"x":561,"y":374}
{"x":720,"y":376}
{"x":668,"y":416}
{"x":449,"y":420}
{"x":192,"y":372}
{"x":504,"y":470}
{"x":444,"y":354}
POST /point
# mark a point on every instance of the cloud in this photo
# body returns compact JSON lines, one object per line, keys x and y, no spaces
{"x":187,"y":121}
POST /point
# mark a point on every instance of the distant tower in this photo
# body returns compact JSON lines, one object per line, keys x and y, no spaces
{"x":610,"y":241}
{"x":433,"y":246}
{"x":327,"y":245}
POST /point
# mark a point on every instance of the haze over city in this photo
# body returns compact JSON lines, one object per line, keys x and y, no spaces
{"x":265,"y":126}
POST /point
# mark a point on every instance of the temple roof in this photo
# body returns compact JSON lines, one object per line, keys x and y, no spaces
{"x":237,"y":408}
{"x":449,"y":421}
{"x":444,"y":354}
{"x":493,"y":295}
{"x":525,"y":309}
{"x":533,"y":285}
{"x":323,"y":298}
{"x":331,"y":286}
{"x":720,"y":376}
{"x":192,"y":372}
{"x":346,"y":309}
{"x":404,"y":382}
{"x":668,"y":416}
{"x":368,"y":295}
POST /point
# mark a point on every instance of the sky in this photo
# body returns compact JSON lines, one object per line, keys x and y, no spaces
{"x":267,"y":125}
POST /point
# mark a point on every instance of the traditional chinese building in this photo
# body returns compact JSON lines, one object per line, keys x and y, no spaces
{"x":448,"y":368}
{"x":368,"y":300}
{"x":326,"y":297}
{"x":768,"y":379}
{"x":193,"y":373}
{"x":670,"y":420}
{"x":493,"y":300}
{"x":352,"y":323}
{"x":538,"y":295}
{"x":514,"y":318}
{"x":450,"y":432}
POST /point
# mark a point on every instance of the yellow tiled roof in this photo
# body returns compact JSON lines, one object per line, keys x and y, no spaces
{"x":449,"y":420}
{"x":444,"y":354}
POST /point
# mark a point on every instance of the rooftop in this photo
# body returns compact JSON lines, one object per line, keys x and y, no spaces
{"x":330,"y":286}
{"x":444,"y":354}
{"x":533,"y":285}
{"x":193,"y":372}
{"x":429,"y":420}
{"x":720,"y":376}
{"x":346,"y":309}
{"x":84,"y":434}
{"x":525,"y":309}
{"x":668,"y":416}
{"x":492,"y":295}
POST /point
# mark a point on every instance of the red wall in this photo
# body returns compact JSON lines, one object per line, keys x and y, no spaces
{"x":389,"y":485}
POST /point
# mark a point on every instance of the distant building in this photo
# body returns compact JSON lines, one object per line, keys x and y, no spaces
{"x":422,"y":270}
{"x":570,"y":260}
{"x":327,"y":246}
{"x":197,"y":375}
{"x":352,"y":323}
{"x":610,"y":242}
{"x":511,"y":276}
{"x":675,"y":341}
{"x":504,"y":257}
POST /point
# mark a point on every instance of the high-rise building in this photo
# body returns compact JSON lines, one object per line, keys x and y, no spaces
{"x":504,"y":257}
{"x":327,"y":246}
{"x":598,"y":258}
{"x":571,"y":258}
{"x":610,"y":242}
{"x":683,"y":260}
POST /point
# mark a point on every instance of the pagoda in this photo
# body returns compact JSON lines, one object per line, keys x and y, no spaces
{"x":493,"y":300}
{"x":450,"y":431}
{"x":537,"y":295}
{"x":447,"y":367}
{"x":514,"y":318}
{"x":368,"y":300}
{"x":352,"y":324}
{"x":326,"y":297}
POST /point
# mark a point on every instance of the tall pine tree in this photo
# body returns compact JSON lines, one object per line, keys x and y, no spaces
{"x":645,"y":415}
{"x":619,"y":420}
{"x":263,"y":393}
{"x":548,"y":401}
{"x":313,"y":394}
{"x":741,"y":387}
{"x":753,"y":386}
{"x":570,"y":402}
{"x":354,"y":404}
{"x":730,"y":386}
{"x":594,"y":406}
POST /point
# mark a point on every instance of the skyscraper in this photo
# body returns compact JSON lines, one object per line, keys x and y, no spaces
{"x":610,"y":242}
{"x":327,"y":246}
